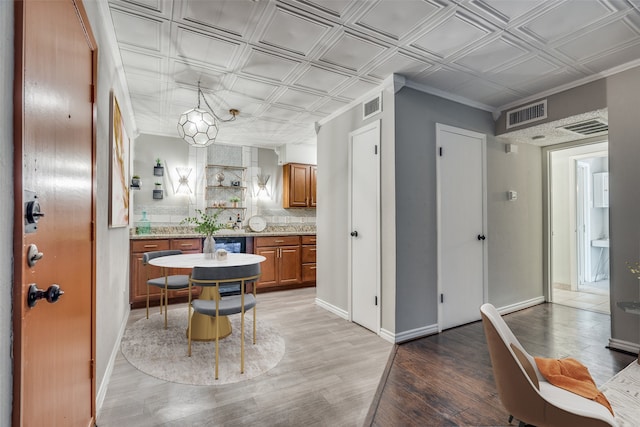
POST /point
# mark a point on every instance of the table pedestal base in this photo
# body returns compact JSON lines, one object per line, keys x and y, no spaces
{"x":203,"y":327}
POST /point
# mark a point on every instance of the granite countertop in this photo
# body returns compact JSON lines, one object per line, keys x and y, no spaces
{"x":188,"y":232}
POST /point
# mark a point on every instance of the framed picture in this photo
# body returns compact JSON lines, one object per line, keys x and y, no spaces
{"x":119,"y":169}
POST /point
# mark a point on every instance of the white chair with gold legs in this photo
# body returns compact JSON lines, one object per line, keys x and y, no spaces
{"x":226,"y":305}
{"x":165,"y":283}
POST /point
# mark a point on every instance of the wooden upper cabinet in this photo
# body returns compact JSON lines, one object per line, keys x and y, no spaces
{"x":299,"y":185}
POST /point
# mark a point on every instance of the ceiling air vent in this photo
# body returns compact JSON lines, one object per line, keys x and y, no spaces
{"x":588,"y":128}
{"x":372,"y":107}
{"x":527,"y":114}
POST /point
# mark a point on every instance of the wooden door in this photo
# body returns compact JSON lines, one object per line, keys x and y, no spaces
{"x":289,"y":265}
{"x":461,"y":225}
{"x":54,"y":157}
{"x":364,"y":194}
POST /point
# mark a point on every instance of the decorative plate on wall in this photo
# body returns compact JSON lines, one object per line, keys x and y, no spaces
{"x":257,"y":223}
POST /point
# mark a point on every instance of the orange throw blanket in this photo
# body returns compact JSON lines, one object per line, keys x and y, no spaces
{"x":573,"y":376}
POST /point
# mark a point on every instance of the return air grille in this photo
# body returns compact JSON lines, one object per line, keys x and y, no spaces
{"x":527,"y":114}
{"x":372,"y":107}
{"x":588,"y":128}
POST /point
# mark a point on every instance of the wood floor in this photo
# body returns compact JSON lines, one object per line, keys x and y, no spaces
{"x":336,"y":373}
{"x":447,"y":380}
{"x":328,"y":377}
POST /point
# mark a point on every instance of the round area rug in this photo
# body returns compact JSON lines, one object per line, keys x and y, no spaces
{"x":162,"y":353}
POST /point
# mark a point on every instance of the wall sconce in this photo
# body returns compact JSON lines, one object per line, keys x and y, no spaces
{"x":183,"y":181}
{"x":262,"y":185}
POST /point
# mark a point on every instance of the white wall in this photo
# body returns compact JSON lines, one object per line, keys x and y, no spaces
{"x":6,"y":209}
{"x":112,"y":252}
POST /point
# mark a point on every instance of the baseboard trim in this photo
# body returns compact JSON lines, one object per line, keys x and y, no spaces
{"x":387,"y":336}
{"x":624,"y":345}
{"x":332,"y":308}
{"x":412,"y":334}
{"x":506,"y":309}
{"x":104,"y":385}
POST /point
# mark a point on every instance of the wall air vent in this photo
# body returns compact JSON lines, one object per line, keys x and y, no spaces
{"x":588,"y":128}
{"x":372,"y":107}
{"x":527,"y":114}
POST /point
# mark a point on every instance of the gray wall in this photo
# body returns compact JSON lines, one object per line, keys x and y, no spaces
{"x":623,"y":99}
{"x":582,"y":99}
{"x":514,"y":237}
{"x":6,"y":208}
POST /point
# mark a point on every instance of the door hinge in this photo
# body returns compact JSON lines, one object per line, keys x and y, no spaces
{"x":376,"y":300}
{"x":441,"y":151}
{"x":441,"y":297}
{"x":92,"y":97}
{"x":375,"y":149}
{"x":91,"y":368}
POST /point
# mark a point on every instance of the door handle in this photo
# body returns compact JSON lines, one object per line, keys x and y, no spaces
{"x":354,"y":234}
{"x":481,"y":237}
{"x":52,"y":294}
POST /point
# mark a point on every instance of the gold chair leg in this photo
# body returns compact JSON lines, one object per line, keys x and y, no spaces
{"x":254,"y":324}
{"x":189,"y":324}
{"x":147,"y":301}
{"x":217,"y":334}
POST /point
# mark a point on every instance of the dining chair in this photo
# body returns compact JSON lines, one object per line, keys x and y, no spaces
{"x":166,"y":283}
{"x":524,"y":392}
{"x":220,"y":277}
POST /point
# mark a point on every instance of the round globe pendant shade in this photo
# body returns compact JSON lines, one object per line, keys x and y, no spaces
{"x":198,"y":127}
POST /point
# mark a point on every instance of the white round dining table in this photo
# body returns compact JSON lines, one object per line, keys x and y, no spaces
{"x":203,"y":327}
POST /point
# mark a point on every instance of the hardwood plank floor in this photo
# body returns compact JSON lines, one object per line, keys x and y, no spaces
{"x":334,"y":372}
{"x":447,"y":379}
{"x":328,"y":377}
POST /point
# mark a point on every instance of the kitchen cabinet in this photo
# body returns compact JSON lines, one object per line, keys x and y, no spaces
{"x":282,"y":267}
{"x":138,"y":272}
{"x":308,"y":259}
{"x":299,"y":185}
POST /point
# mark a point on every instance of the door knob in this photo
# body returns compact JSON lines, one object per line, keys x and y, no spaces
{"x":52,"y":294}
{"x":481,"y":237}
{"x":354,"y":234}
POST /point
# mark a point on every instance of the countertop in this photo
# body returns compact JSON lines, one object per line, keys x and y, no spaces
{"x":185,"y":232}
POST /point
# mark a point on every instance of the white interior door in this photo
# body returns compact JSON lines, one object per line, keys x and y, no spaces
{"x":461,"y":225}
{"x":583,"y":239}
{"x":365,"y":226}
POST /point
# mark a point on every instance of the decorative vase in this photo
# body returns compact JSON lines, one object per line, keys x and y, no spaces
{"x":209,"y":247}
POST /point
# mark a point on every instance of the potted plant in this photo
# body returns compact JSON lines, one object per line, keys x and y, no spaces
{"x":208,"y":225}
{"x":234,"y":201}
{"x":135,"y":181}
{"x":158,"y":169}
{"x":157,"y":192}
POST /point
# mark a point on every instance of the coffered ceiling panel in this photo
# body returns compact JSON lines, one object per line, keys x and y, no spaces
{"x":321,"y":79}
{"x":565,"y":18}
{"x":352,"y":52}
{"x":491,"y":55}
{"x":269,"y":66}
{"x":451,"y":36}
{"x":594,"y":43}
{"x":284,"y":27}
{"x":397,"y":20}
{"x":287,"y":63}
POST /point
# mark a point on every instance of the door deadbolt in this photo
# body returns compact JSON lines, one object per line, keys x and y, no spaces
{"x":32,"y":212}
{"x":33,"y":255}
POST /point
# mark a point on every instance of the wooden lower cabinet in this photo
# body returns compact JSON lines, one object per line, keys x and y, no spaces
{"x":308,"y":259}
{"x":139,"y":273}
{"x":284,"y":267}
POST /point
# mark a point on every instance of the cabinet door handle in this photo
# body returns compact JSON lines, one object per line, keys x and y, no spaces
{"x":312,"y":249}
{"x":186,"y":245}
{"x":150,"y":246}
{"x":312,"y":268}
{"x":279,"y":241}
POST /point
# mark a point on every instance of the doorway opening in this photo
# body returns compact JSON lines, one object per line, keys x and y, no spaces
{"x":579,"y":226}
